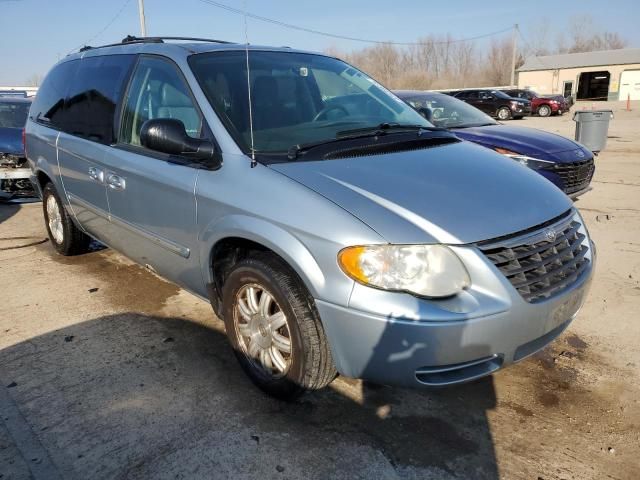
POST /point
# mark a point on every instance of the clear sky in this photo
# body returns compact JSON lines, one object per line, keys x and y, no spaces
{"x":35,"y":33}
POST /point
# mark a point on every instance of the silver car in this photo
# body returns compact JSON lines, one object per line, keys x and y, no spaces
{"x":331,"y":226}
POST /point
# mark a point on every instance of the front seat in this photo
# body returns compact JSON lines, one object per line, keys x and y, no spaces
{"x":175,"y":104}
{"x":268,"y":110}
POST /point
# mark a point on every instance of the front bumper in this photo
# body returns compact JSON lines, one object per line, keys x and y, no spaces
{"x":521,"y":111}
{"x":396,"y":339}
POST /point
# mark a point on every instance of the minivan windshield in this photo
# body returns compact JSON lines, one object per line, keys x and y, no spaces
{"x":296,"y":98}
{"x":446,"y":111}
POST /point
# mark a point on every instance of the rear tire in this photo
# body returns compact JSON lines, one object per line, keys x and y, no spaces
{"x":544,"y":110}
{"x":65,"y":237}
{"x":504,"y":113}
{"x":274,"y":328}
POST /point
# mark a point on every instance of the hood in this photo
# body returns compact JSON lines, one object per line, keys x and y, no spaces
{"x":454,"y":194}
{"x":11,"y":141}
{"x":524,"y":140}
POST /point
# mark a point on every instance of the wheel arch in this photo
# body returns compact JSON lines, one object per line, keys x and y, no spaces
{"x":43,"y":178}
{"x":236,"y":236}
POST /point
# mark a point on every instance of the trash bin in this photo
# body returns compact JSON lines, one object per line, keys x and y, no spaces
{"x":592,"y":127}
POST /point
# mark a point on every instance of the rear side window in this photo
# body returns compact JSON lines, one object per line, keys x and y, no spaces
{"x":91,"y":102}
{"x":48,"y":106}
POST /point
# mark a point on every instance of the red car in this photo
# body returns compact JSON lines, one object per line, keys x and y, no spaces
{"x":543,"y":106}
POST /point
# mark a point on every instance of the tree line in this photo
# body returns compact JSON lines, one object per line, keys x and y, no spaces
{"x":441,"y":61}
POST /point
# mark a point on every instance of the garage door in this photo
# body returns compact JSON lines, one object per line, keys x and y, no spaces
{"x":630,"y":85}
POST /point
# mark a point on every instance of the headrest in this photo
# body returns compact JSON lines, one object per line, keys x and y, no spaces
{"x":172,"y":97}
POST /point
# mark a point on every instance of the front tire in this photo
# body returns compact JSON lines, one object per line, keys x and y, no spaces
{"x":544,"y":110}
{"x":274,"y":328}
{"x":504,"y":113}
{"x":65,"y":237}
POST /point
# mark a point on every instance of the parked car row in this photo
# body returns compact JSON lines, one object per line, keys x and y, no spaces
{"x":569,"y":165}
{"x":332,"y":227}
{"x":543,"y":106}
{"x":505,"y":104}
{"x":495,"y":103}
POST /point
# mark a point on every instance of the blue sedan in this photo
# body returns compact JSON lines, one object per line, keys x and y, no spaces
{"x":569,"y":165}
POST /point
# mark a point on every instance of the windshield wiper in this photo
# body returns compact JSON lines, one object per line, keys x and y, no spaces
{"x":358,"y":133}
{"x":384,"y":128}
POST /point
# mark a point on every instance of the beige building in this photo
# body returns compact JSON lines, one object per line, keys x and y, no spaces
{"x":605,"y":75}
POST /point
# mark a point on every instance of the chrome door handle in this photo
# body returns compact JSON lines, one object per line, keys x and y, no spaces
{"x":116,"y":182}
{"x":96,"y":174}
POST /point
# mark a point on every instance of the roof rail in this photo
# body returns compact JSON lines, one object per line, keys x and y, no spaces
{"x":133,"y":39}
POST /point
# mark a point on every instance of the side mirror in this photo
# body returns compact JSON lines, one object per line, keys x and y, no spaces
{"x":168,"y":135}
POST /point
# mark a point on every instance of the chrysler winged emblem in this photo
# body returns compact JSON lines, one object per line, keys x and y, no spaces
{"x":550,"y":234}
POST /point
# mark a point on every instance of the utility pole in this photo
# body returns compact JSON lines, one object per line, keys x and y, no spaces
{"x":514,"y":49}
{"x":143,"y":25}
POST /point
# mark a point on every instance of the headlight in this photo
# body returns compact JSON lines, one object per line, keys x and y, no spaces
{"x":530,"y":162}
{"x":425,"y":270}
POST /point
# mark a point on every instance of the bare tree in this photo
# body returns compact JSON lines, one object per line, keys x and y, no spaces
{"x":585,"y":37}
{"x":34,"y":80}
{"x":497,"y":66}
{"x":440,"y":61}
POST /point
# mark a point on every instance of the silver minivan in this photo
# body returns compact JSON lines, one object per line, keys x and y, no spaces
{"x":332,"y":227}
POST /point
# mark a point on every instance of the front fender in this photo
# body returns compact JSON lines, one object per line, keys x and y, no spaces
{"x":281,"y":241}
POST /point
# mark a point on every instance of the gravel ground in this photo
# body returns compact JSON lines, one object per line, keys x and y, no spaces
{"x":107,"y":371}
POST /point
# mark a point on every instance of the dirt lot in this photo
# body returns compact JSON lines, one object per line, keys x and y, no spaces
{"x":107,"y":371}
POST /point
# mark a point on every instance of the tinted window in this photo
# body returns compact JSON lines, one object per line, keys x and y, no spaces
{"x":13,"y":114}
{"x":295,"y":98}
{"x":500,"y":94}
{"x":47,"y":107}
{"x":158,"y":90}
{"x":93,"y":95}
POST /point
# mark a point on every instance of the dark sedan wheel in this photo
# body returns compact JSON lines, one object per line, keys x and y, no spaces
{"x":274,"y":328}
{"x":544,"y":110}
{"x":504,"y":113}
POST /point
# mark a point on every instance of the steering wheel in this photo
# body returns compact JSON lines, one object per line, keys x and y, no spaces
{"x":325,"y":110}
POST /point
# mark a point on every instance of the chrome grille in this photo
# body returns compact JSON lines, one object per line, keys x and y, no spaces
{"x":575,"y":176}
{"x":543,"y":263}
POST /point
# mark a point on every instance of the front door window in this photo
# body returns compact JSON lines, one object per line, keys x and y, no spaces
{"x":158,"y":90}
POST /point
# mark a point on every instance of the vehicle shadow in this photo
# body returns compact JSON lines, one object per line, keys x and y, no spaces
{"x":8,"y":210}
{"x":141,"y":396}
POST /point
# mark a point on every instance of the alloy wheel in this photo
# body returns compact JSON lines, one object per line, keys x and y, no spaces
{"x":54,"y":217}
{"x":503,"y":114}
{"x":262,"y":330}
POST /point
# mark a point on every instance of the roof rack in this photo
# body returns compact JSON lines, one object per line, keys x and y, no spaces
{"x":133,"y":39}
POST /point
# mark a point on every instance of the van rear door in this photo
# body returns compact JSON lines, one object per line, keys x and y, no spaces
{"x":87,"y":131}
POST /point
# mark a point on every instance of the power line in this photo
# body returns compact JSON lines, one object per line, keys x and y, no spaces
{"x":334,"y":35}
{"x":111,"y":22}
